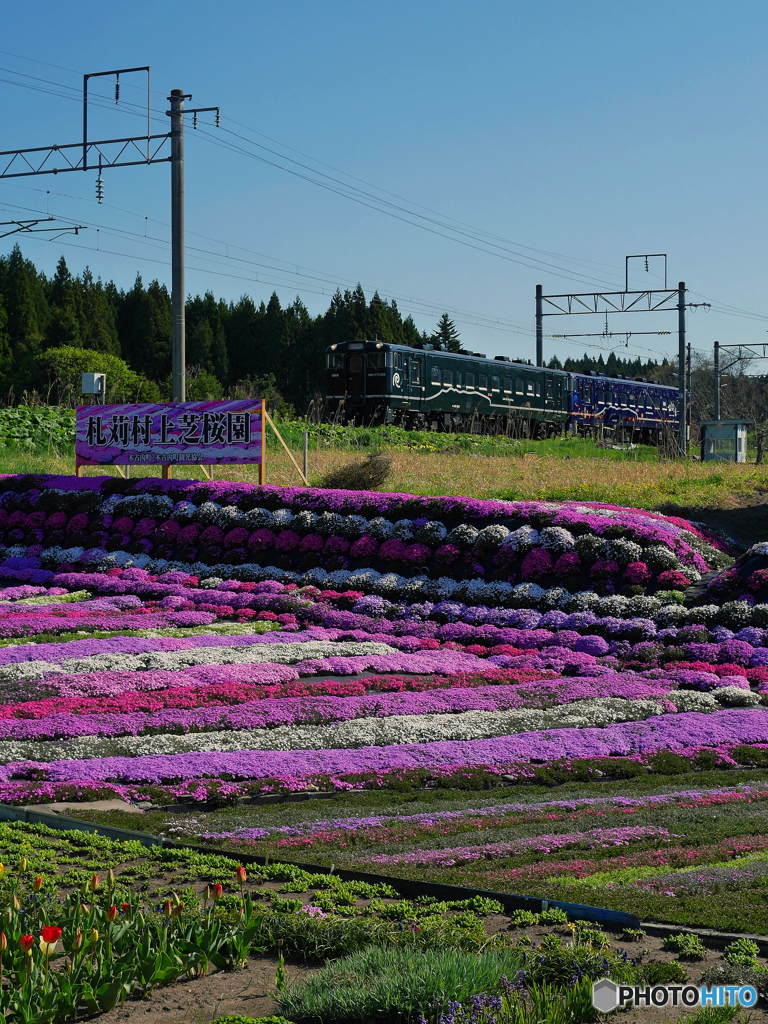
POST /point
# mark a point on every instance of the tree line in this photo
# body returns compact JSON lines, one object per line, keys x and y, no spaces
{"x":51,"y":328}
{"x":54,"y":328}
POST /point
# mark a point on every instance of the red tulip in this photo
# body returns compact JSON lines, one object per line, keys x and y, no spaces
{"x":37,"y":885}
{"x":241,"y":875}
{"x":27,"y":942}
{"x":167,"y":909}
{"x":50,"y":933}
{"x":112,"y":913}
{"x":126,"y":908}
{"x":95,"y":883}
{"x":218,"y":891}
{"x":3,"y":942}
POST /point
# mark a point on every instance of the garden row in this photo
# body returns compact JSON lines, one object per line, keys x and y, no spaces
{"x":79,"y":940}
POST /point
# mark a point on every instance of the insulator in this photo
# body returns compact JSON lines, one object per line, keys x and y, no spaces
{"x":646,"y":264}
{"x":218,"y":118}
{"x":117,"y":91}
{"x":99,"y":189}
{"x":194,"y":119}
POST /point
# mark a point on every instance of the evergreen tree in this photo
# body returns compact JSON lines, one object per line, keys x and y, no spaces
{"x":445,"y":335}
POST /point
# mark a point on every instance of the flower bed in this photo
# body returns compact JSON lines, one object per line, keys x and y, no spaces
{"x":200,"y":640}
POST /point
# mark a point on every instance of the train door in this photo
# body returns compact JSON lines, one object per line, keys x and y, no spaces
{"x":356,"y":372}
{"x":415,"y":381}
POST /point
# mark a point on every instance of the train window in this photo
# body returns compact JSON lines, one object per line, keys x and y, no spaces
{"x":538,"y":390}
{"x":550,"y":388}
{"x":623,"y":399}
{"x":482,"y":382}
{"x":600,"y":396}
{"x":415,"y":371}
{"x":496,"y":383}
{"x":335,"y":361}
{"x":529,"y":387}
{"x":507,"y":383}
{"x":435,"y":375}
{"x":356,"y":364}
{"x":397,"y":362}
{"x":587,"y":392}
{"x":632,"y":401}
{"x":376,"y":360}
{"x":458,"y":379}
{"x":470,"y":382}
{"x":519,"y":387}
{"x":448,"y":377}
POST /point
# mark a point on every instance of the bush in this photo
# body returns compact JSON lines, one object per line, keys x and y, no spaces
{"x":365,"y":475}
{"x":554,"y":916}
{"x":59,"y":370}
{"x":239,"y":1019}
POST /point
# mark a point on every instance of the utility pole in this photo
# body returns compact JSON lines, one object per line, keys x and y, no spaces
{"x":683,"y":411}
{"x":717,"y":380}
{"x":124,"y":152}
{"x":178,"y":296}
{"x":539,"y":327}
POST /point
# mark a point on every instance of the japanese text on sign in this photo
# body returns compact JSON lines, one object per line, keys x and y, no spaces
{"x":186,"y":432}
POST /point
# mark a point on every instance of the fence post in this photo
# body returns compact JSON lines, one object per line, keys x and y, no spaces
{"x":306,"y":455}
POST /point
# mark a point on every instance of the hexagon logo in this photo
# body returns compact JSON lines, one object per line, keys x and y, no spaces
{"x":605,"y":995}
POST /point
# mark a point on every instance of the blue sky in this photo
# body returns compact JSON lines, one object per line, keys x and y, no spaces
{"x":587,"y":130}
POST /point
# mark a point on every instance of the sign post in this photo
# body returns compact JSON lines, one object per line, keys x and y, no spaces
{"x":171,"y":434}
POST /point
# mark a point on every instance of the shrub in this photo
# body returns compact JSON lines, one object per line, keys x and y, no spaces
{"x":63,"y":367}
{"x":365,"y":475}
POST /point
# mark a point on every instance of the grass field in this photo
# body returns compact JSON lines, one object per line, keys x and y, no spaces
{"x":545,"y":471}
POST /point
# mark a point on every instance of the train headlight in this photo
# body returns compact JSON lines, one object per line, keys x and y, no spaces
{"x":379,"y":344}
{"x":333,"y":348}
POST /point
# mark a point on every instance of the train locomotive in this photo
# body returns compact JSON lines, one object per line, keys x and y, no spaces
{"x":423,"y":388}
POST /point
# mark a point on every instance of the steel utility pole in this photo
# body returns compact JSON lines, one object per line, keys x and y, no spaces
{"x":179,"y":360}
{"x":681,"y":374}
{"x":126,"y":152}
{"x":539,"y":327}
{"x":717,"y":380}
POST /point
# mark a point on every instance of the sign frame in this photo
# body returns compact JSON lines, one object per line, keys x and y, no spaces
{"x":160,"y":427}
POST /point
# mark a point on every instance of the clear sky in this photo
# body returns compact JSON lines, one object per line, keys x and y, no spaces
{"x":582,"y":131}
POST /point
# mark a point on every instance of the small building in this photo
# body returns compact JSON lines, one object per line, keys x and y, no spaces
{"x":724,"y":440}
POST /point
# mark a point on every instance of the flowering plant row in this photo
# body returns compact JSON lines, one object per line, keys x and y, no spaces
{"x":596,"y":546}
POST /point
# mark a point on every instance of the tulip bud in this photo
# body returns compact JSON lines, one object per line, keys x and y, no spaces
{"x":94,"y":935}
{"x":94,"y":883}
{"x":241,"y":875}
{"x":77,"y":942}
{"x":2,"y":869}
{"x":207,"y":892}
{"x":126,"y":908}
{"x":16,"y":904}
{"x":37,"y":885}
{"x":178,"y":910}
{"x":69,"y":967}
{"x":3,"y":942}
{"x":218,"y":891}
{"x":167,"y":909}
{"x":27,"y":942}
{"x":23,"y":865}
{"x":111,"y":878}
{"x":112,"y":913}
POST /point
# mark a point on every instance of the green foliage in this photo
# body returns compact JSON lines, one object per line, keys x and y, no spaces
{"x":240,"y":1019}
{"x":687,"y":945}
{"x":524,"y":918}
{"x":664,"y":972}
{"x":37,"y":428}
{"x":59,"y":372}
{"x":742,"y":951}
{"x":554,"y":915}
{"x":714,"y":1015}
{"x":633,"y":934}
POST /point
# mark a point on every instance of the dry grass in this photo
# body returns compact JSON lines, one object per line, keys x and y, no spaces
{"x":638,"y":484}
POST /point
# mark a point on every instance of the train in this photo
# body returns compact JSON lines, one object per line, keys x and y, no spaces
{"x":425,"y":388}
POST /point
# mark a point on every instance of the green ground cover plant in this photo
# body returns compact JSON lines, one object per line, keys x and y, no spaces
{"x":706,"y":865}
